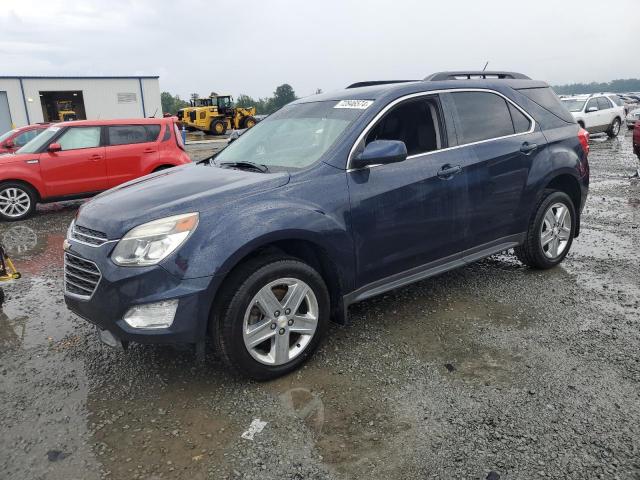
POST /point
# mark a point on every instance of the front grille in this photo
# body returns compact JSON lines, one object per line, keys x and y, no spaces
{"x":86,"y":235}
{"x":81,"y":277}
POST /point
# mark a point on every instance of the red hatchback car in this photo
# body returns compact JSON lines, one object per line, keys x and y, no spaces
{"x":81,"y":158}
{"x":18,"y":137}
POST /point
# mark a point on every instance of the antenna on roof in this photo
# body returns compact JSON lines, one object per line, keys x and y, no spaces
{"x":485,"y":66}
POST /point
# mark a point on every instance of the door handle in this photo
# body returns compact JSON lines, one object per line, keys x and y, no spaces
{"x":448,"y":171}
{"x":527,"y":147}
{"x":95,"y":158}
{"x":149,"y":150}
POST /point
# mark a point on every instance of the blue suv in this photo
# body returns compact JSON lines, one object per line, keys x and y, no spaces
{"x":331,"y":200}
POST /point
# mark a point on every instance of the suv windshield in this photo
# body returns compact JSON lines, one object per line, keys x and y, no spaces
{"x":292,"y":138}
{"x":4,"y":136}
{"x":40,"y":141}
{"x":573,"y":105}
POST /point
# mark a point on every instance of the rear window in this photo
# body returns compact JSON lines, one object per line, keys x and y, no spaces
{"x":129,"y":134}
{"x":481,"y":116}
{"x":547,"y":99}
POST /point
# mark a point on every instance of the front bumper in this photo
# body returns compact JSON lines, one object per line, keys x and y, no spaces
{"x":120,"y":288}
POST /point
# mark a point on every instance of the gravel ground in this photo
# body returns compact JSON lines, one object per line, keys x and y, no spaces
{"x":491,"y":371}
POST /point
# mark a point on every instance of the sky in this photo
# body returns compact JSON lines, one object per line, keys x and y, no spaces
{"x":252,"y":46}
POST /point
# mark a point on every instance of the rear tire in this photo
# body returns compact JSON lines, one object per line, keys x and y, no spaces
{"x":282,"y":339}
{"x":248,"y":122}
{"x":550,"y":234}
{"x":17,"y":201}
{"x":614,"y":128}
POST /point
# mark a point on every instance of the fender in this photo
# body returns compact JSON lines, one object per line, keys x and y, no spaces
{"x":24,"y":172}
{"x":216,"y":249}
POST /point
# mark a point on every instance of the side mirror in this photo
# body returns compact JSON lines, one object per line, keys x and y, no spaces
{"x":592,"y":109}
{"x":9,"y":144}
{"x":54,"y":147}
{"x":380,"y":152}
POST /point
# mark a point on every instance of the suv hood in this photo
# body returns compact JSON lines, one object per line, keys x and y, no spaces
{"x":190,"y":188}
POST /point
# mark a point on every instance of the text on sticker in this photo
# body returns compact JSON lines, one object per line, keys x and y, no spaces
{"x":358,"y":104}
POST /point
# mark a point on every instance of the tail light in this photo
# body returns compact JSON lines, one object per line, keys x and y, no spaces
{"x":178,"y":135}
{"x":583,"y":136}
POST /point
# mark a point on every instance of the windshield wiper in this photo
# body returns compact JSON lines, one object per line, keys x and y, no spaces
{"x":255,"y":166}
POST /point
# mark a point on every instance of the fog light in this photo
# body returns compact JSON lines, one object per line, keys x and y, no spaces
{"x":152,"y":315}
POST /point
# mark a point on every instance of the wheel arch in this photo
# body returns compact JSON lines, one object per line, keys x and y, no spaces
{"x":27,"y":183}
{"x":306,"y":250}
{"x":568,"y":184}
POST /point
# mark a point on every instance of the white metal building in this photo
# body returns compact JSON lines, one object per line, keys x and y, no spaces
{"x":25,"y":100}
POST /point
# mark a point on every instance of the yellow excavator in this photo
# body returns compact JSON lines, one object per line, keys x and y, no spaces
{"x":65,"y":111}
{"x":217,"y":114}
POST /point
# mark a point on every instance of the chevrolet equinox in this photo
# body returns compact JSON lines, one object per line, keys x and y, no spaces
{"x":331,"y":200}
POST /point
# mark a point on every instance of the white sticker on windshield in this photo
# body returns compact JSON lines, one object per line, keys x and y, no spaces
{"x":357,"y":104}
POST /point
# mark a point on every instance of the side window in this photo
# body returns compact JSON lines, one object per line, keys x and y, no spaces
{"x":603,"y":103}
{"x":481,"y":116}
{"x":617,"y":100}
{"x":130,"y":134}
{"x":167,"y":132}
{"x":591,"y":104}
{"x":416,"y":123}
{"x":80,"y":137}
{"x":152,"y":132}
{"x":521,"y":123}
{"x":25,"y":137}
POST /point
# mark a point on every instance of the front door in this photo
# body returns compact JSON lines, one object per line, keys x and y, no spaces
{"x":79,"y":167}
{"x":406,"y":215}
{"x":593,"y":120}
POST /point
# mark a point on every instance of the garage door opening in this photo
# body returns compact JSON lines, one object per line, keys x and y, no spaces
{"x":62,"y":106}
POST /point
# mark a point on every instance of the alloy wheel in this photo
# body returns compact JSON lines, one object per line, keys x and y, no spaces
{"x":615,"y":129}
{"x":280,"y":321}
{"x":556,"y":230}
{"x":14,"y":202}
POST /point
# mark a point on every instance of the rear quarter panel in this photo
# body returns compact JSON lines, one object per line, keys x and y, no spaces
{"x":561,"y":155}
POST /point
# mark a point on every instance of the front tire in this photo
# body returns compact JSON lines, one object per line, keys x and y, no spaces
{"x":614,"y":128}
{"x":17,"y":201}
{"x":550,"y":233}
{"x":271,"y":316}
{"x":217,"y":127}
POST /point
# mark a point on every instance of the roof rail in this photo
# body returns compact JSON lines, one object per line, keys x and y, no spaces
{"x":369,"y":83}
{"x":470,"y":75}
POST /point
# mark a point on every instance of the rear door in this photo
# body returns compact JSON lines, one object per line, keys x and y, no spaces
{"x":605,"y":108}
{"x":79,"y":167}
{"x":131,"y":151}
{"x":497,"y":147}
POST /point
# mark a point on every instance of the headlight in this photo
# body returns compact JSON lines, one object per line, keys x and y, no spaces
{"x":152,"y":242}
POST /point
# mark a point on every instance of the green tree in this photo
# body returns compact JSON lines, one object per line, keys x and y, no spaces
{"x":171,"y":103}
{"x":616,"y":86}
{"x":284,"y":94}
